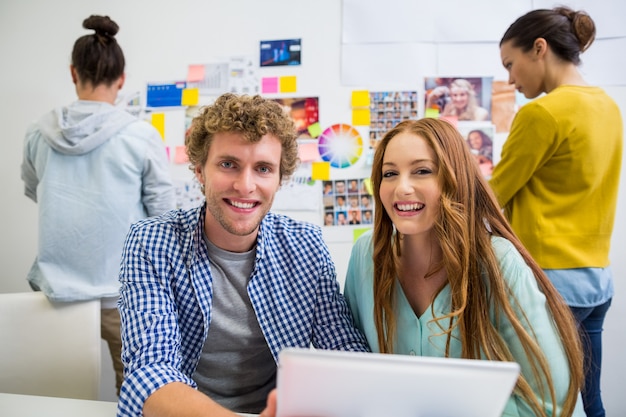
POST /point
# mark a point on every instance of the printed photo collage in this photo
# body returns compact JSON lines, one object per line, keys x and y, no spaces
{"x":387,"y":109}
{"x":466,"y":102}
{"x":347,"y":202}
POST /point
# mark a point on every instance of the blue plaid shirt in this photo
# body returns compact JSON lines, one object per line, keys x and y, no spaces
{"x":166,"y":294}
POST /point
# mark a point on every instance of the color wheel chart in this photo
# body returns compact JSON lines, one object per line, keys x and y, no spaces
{"x":341,"y":145}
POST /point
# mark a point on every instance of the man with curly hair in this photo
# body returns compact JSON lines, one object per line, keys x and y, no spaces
{"x":211,"y":295}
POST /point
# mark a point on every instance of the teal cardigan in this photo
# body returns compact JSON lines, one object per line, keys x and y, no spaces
{"x":420,"y":335}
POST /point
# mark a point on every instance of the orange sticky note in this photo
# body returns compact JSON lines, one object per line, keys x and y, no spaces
{"x":315,"y":129}
{"x":158,"y":121}
{"x":308,"y":152}
{"x":320,"y":171}
{"x":195,"y":73}
{"x":360,"y":98}
{"x":361,"y":117}
{"x":288,"y":84}
{"x":180,"y":155}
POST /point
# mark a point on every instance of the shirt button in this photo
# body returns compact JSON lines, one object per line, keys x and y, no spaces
{"x":412,"y":353}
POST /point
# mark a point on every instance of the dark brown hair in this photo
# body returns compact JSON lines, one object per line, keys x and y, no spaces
{"x":97,"y":58}
{"x":567,"y":32}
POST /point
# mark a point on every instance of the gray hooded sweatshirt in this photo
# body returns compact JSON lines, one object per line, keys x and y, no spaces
{"x":93,"y":169}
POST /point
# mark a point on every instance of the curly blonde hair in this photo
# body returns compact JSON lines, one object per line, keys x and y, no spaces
{"x":253,"y":117}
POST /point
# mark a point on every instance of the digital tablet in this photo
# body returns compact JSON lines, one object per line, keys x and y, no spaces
{"x":322,"y":383}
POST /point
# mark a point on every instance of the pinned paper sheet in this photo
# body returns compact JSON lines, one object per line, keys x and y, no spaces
{"x":180,"y":155}
{"x":299,"y":194}
{"x":269,"y":85}
{"x":288,"y":84}
{"x":158,"y":121}
{"x":320,"y":171}
{"x":165,"y":95}
{"x":315,"y":129}
{"x":361,"y":117}
{"x":195,"y":73}
{"x":191,"y":97}
{"x":361,"y":98}
{"x":308,"y":152}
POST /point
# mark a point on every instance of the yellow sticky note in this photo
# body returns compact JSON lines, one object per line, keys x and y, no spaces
{"x":367,"y":182}
{"x":431,"y":113}
{"x":361,"y":117}
{"x":358,"y":232}
{"x":158,"y":121}
{"x":320,"y":171}
{"x":315,"y":129}
{"x":361,"y":98}
{"x":288,"y":84}
{"x":190,"y":97}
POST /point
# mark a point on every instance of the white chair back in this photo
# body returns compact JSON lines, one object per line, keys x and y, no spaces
{"x":49,"y":349}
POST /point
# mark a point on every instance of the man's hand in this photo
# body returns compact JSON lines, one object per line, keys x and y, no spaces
{"x":270,"y":408}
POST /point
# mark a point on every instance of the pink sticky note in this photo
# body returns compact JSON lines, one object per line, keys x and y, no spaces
{"x":269,"y":85}
{"x":453,"y":120}
{"x":308,"y":152}
{"x":195,"y":73}
{"x":180,"y":155}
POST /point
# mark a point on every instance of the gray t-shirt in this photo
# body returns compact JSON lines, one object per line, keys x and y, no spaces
{"x":236,"y":367}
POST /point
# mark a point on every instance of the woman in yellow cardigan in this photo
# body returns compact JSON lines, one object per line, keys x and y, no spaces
{"x":558,"y":176}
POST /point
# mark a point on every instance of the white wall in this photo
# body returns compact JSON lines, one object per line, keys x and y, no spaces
{"x":160,"y":38}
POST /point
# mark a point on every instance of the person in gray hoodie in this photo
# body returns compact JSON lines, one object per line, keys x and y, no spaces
{"x":94,"y":169}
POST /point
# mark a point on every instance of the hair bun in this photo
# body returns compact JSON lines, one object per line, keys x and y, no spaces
{"x":103,"y":25}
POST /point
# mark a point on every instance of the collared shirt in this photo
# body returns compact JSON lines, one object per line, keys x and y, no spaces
{"x":583,"y":287}
{"x":167,"y":291}
{"x":422,"y":337}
